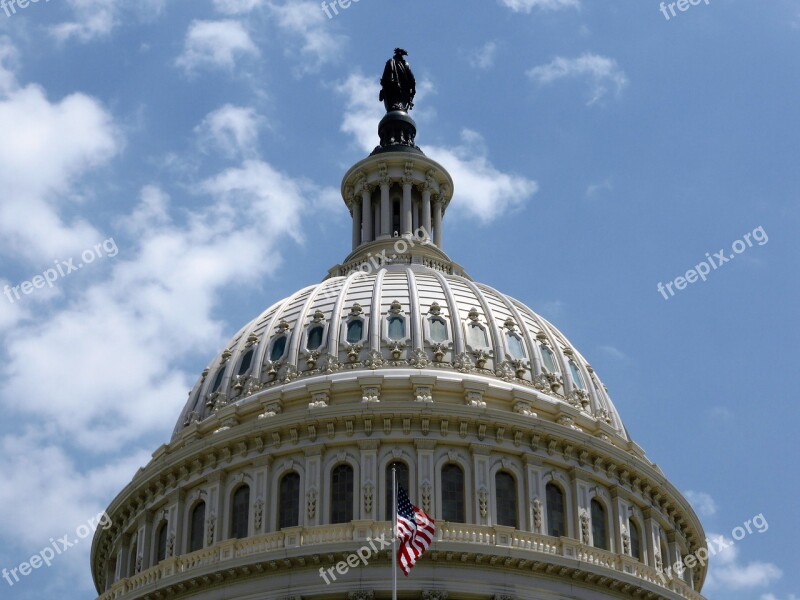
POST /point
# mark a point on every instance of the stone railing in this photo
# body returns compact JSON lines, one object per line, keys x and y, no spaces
{"x":314,"y":538}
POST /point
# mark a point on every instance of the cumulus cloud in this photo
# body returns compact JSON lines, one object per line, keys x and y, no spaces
{"x":774,"y":597}
{"x":728,"y":572}
{"x":484,"y":57}
{"x":528,"y":6}
{"x":216,"y":44}
{"x":603,"y":74}
{"x":703,"y":503}
{"x":304,"y":20}
{"x":482,"y":189}
{"x":233,"y":130}
{"x":95,"y":19}
{"x":46,"y":148}
{"x":237,"y":7}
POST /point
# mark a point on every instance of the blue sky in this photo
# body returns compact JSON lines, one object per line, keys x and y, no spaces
{"x":190,"y":152}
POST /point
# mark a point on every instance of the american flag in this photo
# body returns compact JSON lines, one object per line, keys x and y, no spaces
{"x":415,"y":530}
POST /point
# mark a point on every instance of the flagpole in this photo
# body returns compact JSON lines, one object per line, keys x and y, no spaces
{"x":394,"y":534}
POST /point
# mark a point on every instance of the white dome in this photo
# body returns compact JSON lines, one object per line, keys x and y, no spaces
{"x":400,"y":317}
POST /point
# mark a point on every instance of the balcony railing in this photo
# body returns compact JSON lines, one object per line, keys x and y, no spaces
{"x":316,"y":538}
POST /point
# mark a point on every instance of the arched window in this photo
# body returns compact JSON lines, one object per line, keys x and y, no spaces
{"x":315,"y":337}
{"x":548,"y":359}
{"x":247,"y":360}
{"x":556,"y":515}
{"x":355,"y":331}
{"x":240,"y":513}
{"x":218,"y":380}
{"x":438,"y":330}
{"x":161,"y":542}
{"x":397,"y":328}
{"x":132,"y":560}
{"x":577,"y":378}
{"x":506,"y":499}
{"x":402,"y":481}
{"x":636,"y":539}
{"x":197,"y":528}
{"x":599,"y":526}
{"x":476,"y":336}
{"x":289,"y":507}
{"x":453,"y":504}
{"x":278,"y":348}
{"x":515,"y":348}
{"x":342,"y":494}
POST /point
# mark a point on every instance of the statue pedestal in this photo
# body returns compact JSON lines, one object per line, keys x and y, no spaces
{"x":397,"y":132}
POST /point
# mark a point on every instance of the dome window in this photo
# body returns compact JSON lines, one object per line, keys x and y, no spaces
{"x":342,"y":482}
{"x":355,"y":331}
{"x":218,"y":380}
{"x":556,"y":513}
{"x":402,"y":481}
{"x":476,"y":336}
{"x":240,"y":513}
{"x":438,"y":330}
{"x":197,"y":528}
{"x":453,"y":503}
{"x":289,"y":498}
{"x":515,"y":348}
{"x":161,"y":542}
{"x":247,"y":361}
{"x":599,"y":526}
{"x":636,"y":540}
{"x":548,"y":359}
{"x":577,"y":379}
{"x":315,"y":337}
{"x":506,"y":499}
{"x":278,"y":349}
{"x":397,"y":328}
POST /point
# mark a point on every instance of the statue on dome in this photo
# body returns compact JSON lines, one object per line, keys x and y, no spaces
{"x":398,"y":86}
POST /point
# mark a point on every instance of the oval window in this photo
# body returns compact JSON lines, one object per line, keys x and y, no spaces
{"x":515,"y":348}
{"x":438,"y":330}
{"x":315,"y":337}
{"x":355,"y":331}
{"x":397,"y":328}
{"x":247,"y":360}
{"x":278,"y":348}
{"x":549,"y":359}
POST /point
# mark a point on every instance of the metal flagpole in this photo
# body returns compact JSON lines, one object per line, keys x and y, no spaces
{"x":394,"y":534}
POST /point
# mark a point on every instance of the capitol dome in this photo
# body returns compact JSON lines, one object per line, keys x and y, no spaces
{"x":279,"y":467}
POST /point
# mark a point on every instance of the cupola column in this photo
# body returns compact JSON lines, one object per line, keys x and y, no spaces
{"x":386,"y":212}
{"x":366,"y":214}
{"x":437,"y":221}
{"x":426,"y":211}
{"x":356,"y":224}
{"x":405,"y":216}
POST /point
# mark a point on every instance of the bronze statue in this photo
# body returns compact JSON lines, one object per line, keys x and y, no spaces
{"x":398,"y":86}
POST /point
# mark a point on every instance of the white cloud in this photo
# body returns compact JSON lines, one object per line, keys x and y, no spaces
{"x":602,"y":72}
{"x":237,"y":7}
{"x":484,"y":57}
{"x":528,"y":6}
{"x":95,"y":19}
{"x":231,"y":129}
{"x":46,"y":148}
{"x":216,"y":44}
{"x":727,"y":572}
{"x":595,"y":189}
{"x":306,"y":20}
{"x":481,"y":189}
{"x":774,"y":597}
{"x":703,"y":503}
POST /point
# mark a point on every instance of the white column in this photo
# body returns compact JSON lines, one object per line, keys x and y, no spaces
{"x":426,"y":211}
{"x":356,"y":224}
{"x":366,"y":212}
{"x":386,"y":210}
{"x":405,"y":214}
{"x":437,"y":222}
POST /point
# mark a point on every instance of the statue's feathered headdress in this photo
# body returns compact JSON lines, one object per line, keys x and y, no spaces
{"x":400,"y":51}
